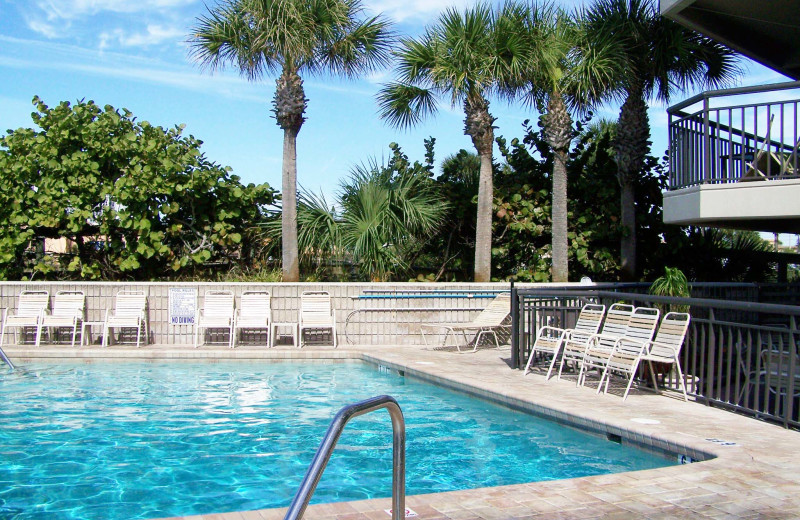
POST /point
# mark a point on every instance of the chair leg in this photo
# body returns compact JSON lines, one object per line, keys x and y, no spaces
{"x":604,"y":378}
{"x":138,"y":333}
{"x":653,"y":376}
{"x":424,"y":337}
{"x":333,"y":332}
{"x":530,"y":360}
{"x":74,"y":332}
{"x":552,"y":364}
{"x":196,"y":336}
{"x":681,"y":379}
{"x":38,"y":335}
{"x":634,"y":368}
{"x":106,"y":332}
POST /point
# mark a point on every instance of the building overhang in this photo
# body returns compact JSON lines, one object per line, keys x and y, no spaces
{"x":764,"y":31}
{"x":766,"y":205}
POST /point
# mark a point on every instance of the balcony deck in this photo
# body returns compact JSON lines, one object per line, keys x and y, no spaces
{"x":735,"y":159}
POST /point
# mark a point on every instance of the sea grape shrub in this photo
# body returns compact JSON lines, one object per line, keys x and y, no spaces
{"x":133,"y":200}
{"x":523,"y":207}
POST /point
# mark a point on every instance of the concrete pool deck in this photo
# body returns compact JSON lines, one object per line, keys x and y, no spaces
{"x":752,"y":469}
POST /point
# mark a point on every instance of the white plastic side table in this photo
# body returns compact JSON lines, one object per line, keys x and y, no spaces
{"x":274,"y":329}
{"x":89,"y":325}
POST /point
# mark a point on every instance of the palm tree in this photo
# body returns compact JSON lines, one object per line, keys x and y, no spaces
{"x":288,"y":38}
{"x":386,"y":217}
{"x":659,"y":56}
{"x":563,"y":71}
{"x":460,"y":57}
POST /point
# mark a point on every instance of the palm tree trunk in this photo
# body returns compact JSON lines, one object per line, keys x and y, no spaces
{"x":289,"y":253}
{"x":627,"y":245}
{"x":631,"y":145}
{"x":483,"y":223}
{"x":560,"y":267}
{"x":289,"y":105}
{"x":478,"y":124}
{"x":558,"y":134}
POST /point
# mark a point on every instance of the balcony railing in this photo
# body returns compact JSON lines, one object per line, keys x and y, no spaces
{"x":733,"y":135}
{"x":738,"y":355}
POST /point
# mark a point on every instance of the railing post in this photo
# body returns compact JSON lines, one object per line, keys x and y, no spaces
{"x":514,"y":327}
{"x":706,"y":142}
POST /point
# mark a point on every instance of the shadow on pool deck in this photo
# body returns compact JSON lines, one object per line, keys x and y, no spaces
{"x":754,"y":473}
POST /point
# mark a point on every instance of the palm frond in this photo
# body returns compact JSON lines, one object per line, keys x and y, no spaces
{"x":227,"y":35}
{"x":404,"y":105}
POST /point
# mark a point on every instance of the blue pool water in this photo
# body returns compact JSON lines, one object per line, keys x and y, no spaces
{"x":145,"y":440}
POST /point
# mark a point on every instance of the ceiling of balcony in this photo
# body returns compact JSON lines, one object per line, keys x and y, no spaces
{"x":766,"y":31}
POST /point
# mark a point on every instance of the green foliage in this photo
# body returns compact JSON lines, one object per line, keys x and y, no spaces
{"x":137,"y":200}
{"x":387,"y":214}
{"x":523,"y":207}
{"x":672,"y":283}
{"x":722,"y":255}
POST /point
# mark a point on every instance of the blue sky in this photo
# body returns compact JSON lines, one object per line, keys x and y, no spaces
{"x":132,"y":54}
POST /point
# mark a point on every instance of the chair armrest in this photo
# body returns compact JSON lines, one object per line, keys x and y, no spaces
{"x":561,"y":332}
{"x":594,"y":338}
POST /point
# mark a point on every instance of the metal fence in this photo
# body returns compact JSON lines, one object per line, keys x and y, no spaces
{"x":745,"y":139}
{"x":742,"y":356}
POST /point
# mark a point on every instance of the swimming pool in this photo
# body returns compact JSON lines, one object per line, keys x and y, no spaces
{"x":146,"y":440}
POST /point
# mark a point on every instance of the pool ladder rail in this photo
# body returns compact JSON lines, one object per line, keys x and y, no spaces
{"x":5,"y":358}
{"x":325,"y":450}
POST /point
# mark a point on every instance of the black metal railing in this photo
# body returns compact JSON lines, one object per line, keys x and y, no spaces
{"x":742,"y":356}
{"x":751,"y":139}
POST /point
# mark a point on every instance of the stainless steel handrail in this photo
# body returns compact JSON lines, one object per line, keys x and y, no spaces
{"x":5,"y":358}
{"x":325,"y":450}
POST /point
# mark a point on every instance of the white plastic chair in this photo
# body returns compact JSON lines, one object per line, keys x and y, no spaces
{"x":614,"y":325}
{"x":130,"y":311}
{"x":255,"y":312}
{"x":68,"y":311}
{"x":641,"y":328}
{"x":31,"y":308}
{"x":665,"y":348}
{"x":549,"y":340}
{"x":217,"y":313}
{"x":316,"y":313}
{"x":489,"y":321}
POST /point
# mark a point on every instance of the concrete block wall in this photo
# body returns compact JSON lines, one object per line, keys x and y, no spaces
{"x":362,"y":319}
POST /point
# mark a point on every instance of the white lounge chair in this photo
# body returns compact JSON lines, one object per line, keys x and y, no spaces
{"x":68,"y":311}
{"x":31,"y":308}
{"x":130,"y":311}
{"x":665,"y":348}
{"x":217,"y":313}
{"x":255,"y":312}
{"x":549,"y":340}
{"x":614,"y":325}
{"x":489,"y":321}
{"x":641,"y":328}
{"x":316,"y":313}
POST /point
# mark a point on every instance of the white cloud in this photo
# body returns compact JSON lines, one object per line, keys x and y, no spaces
{"x":154,"y":35}
{"x":45,"y":29}
{"x":71,"y":9}
{"x":424,"y":10}
{"x":75,"y":59}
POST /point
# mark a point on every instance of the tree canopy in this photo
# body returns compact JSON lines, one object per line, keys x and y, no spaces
{"x":134,"y":200}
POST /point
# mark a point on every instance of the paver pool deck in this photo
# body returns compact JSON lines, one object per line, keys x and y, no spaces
{"x":752,"y":468}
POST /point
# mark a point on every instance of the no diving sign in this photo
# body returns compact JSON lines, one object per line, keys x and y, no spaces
{"x":182,"y":305}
